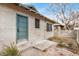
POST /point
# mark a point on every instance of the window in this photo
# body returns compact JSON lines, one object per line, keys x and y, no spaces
{"x":37,"y":23}
{"x":49,"y":27}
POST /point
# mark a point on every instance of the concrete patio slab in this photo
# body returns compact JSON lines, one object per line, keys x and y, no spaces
{"x":44,"y":44}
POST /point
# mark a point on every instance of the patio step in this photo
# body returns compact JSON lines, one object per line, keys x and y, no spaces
{"x":24,"y":46}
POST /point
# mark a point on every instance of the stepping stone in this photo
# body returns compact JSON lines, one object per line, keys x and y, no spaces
{"x":43,"y":44}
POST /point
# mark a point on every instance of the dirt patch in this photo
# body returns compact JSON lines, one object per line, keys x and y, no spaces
{"x":51,"y":51}
{"x":66,"y":42}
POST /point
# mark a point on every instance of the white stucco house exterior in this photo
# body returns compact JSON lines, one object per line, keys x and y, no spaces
{"x":21,"y":25}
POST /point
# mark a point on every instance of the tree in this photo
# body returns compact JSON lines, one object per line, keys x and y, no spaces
{"x":67,"y":15}
{"x":62,"y":12}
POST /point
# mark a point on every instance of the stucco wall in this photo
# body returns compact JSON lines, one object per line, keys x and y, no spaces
{"x":8,"y":26}
{"x":36,"y":34}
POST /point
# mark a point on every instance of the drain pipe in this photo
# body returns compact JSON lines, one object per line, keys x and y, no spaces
{"x":45,"y":30}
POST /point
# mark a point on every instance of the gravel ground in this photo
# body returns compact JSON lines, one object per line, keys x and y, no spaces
{"x":51,"y":51}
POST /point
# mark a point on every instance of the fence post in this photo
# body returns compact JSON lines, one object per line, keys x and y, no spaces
{"x":77,"y":36}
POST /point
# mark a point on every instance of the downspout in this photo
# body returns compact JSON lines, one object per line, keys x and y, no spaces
{"x":45,"y":30}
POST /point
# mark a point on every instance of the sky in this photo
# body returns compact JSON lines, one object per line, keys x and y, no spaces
{"x":41,"y":7}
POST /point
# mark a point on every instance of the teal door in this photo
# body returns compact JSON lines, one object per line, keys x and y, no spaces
{"x":22,"y":28}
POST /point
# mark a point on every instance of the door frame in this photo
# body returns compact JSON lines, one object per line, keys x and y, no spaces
{"x":17,"y":27}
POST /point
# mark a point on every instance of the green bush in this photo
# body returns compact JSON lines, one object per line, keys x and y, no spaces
{"x":10,"y":51}
{"x":62,"y":45}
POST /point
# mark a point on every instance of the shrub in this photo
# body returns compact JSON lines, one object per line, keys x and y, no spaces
{"x":59,"y":39}
{"x":10,"y":51}
{"x":62,"y":45}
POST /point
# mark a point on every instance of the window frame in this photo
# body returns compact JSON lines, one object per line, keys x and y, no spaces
{"x":49,"y":27}
{"x":37,"y":23}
